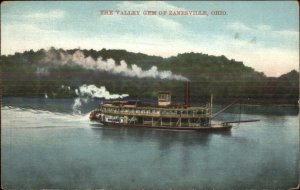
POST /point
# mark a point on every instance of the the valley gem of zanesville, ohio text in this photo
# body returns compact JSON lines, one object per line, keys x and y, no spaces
{"x":161,"y":13}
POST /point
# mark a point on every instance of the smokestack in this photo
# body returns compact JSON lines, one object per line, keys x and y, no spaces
{"x":187,"y":95}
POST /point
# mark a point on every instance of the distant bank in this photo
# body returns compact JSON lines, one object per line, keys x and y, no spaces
{"x":36,"y":73}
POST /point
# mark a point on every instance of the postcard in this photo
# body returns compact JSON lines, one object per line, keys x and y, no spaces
{"x":149,"y":95}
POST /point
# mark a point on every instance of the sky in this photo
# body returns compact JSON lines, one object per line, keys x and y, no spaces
{"x":263,"y":35}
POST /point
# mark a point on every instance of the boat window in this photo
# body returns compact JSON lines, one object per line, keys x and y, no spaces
{"x":174,"y":120}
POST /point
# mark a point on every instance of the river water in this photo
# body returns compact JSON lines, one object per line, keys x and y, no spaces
{"x":48,"y":144}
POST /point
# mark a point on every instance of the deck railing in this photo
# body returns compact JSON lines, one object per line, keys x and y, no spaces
{"x":158,"y":114}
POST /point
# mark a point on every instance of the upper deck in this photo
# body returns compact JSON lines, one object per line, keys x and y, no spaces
{"x":163,"y":108}
{"x":152,"y":110}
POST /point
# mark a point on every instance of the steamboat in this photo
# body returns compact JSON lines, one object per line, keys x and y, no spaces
{"x":162,"y":115}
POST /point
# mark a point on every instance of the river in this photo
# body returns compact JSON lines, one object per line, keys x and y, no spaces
{"x":50,"y":143}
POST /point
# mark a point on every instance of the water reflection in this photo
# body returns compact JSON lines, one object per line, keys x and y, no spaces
{"x":259,"y":110}
{"x":165,"y":139}
{"x":169,"y":146}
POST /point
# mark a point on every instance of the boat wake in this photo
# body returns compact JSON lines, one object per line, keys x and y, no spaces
{"x":16,"y":117}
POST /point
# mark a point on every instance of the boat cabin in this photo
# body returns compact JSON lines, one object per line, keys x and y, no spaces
{"x":164,"y":98}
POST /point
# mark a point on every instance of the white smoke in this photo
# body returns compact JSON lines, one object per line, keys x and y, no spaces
{"x":76,"y":106}
{"x":77,"y":92}
{"x":78,"y":58}
{"x":95,"y":92}
{"x":78,"y":103}
{"x":85,"y":92}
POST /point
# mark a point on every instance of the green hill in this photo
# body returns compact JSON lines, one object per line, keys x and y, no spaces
{"x":28,"y":74}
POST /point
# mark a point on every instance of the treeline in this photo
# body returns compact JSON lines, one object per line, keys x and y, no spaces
{"x":26,"y":74}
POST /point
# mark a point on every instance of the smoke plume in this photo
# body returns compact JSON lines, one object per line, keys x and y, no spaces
{"x":95,"y":92}
{"x":109,"y":65}
{"x":85,"y":92}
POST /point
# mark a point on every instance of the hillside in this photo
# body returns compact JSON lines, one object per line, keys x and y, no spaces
{"x":34,"y":73}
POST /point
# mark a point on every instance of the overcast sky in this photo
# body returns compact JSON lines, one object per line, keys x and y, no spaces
{"x":264,"y":35}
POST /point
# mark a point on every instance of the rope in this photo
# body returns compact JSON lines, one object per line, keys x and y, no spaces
{"x":238,"y":125}
{"x":240,"y":114}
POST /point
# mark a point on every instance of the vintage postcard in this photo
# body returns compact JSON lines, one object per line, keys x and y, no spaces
{"x":149,"y":95}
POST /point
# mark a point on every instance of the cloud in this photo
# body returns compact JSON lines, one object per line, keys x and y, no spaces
{"x":287,"y":34}
{"x":156,"y":35}
{"x":150,"y":5}
{"x":30,"y":36}
{"x":170,"y":24}
{"x":144,"y":22}
{"x":238,"y":26}
{"x":52,"y":15}
{"x":28,"y":29}
{"x":268,"y":36}
{"x":263,"y":27}
{"x":273,"y":61}
{"x":278,"y":33}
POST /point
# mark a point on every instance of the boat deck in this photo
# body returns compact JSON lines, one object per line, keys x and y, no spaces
{"x":211,"y":128}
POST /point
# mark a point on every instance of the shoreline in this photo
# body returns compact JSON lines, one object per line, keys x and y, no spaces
{"x":216,"y":102}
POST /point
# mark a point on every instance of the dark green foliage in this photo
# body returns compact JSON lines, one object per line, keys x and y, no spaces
{"x":226,"y":79}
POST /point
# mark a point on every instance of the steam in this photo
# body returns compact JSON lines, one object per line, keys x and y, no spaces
{"x":95,"y":92}
{"x":78,"y":103}
{"x":110,"y":66}
{"x":85,"y":92}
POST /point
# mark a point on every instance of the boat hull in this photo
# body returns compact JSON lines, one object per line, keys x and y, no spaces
{"x":211,"y":128}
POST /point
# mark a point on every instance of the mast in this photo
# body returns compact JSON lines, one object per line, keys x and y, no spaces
{"x":211,"y":105}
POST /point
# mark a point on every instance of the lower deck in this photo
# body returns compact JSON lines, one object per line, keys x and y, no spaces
{"x":209,"y":128}
{"x":174,"y":123}
{"x":155,"y":121}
